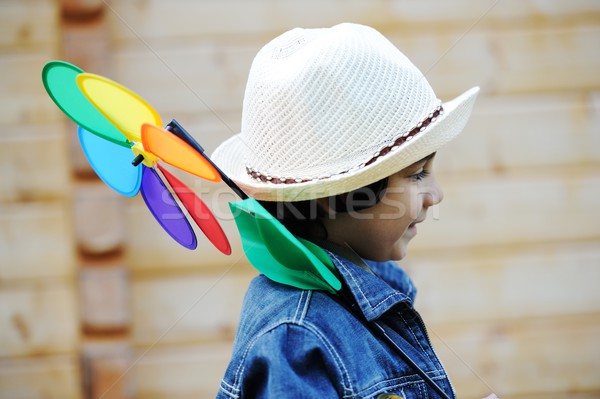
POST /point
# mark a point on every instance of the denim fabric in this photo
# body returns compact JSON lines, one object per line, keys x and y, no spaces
{"x":294,"y":343}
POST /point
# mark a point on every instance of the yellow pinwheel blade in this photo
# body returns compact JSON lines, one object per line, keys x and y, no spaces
{"x":121,"y":106}
{"x":176,"y":152}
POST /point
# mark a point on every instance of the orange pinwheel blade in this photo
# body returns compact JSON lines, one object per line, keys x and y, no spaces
{"x":176,"y":152}
{"x":124,"y":108}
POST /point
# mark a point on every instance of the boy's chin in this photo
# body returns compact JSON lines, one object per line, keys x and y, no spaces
{"x":400,"y":251}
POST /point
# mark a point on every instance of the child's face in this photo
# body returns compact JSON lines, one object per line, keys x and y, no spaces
{"x":383,"y":231}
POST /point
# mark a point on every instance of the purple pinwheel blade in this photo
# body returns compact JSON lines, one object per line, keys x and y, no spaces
{"x":165,"y":209}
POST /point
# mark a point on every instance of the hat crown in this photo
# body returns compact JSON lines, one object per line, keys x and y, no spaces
{"x":320,"y":102}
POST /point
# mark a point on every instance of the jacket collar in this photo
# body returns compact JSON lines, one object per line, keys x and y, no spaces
{"x":376,"y":290}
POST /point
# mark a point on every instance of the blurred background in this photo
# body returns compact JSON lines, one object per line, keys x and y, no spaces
{"x":96,"y":301}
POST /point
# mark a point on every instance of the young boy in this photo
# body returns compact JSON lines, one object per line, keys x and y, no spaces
{"x":339,"y":134}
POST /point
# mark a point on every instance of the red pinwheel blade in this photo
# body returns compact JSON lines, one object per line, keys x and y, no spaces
{"x":199,"y":212}
{"x":165,"y":209}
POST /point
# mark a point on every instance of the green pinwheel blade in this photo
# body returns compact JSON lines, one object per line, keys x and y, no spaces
{"x":280,"y":256}
{"x":59,"y":78}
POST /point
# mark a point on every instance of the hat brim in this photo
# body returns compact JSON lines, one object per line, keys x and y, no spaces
{"x":229,"y":156}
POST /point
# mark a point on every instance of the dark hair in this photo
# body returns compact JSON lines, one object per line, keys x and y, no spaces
{"x":302,"y":218}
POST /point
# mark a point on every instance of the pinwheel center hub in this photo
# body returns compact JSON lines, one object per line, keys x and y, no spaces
{"x":149,"y":158}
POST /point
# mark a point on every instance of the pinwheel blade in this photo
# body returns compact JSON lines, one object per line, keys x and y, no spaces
{"x":176,"y":152}
{"x":280,"y":256}
{"x":59,"y":78}
{"x":111,"y":163}
{"x":201,"y":214}
{"x":124,"y":108}
{"x":165,"y":209}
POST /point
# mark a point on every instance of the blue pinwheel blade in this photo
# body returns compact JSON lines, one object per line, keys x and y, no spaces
{"x":165,"y":209}
{"x":111,"y":162}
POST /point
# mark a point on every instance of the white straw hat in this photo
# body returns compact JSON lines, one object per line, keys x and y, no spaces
{"x":327,"y":111}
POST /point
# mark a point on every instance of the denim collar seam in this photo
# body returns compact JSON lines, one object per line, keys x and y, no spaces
{"x":395,"y":293}
{"x":341,"y":264}
{"x":432,"y":361}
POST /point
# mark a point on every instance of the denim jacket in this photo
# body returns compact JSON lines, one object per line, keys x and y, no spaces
{"x":294,"y":343}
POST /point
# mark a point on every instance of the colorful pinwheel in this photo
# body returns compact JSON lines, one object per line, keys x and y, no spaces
{"x":114,"y":122}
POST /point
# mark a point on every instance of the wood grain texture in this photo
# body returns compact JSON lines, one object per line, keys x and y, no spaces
{"x":207,"y":18}
{"x":521,"y":132}
{"x":518,"y":207}
{"x":99,"y":214}
{"x":38,"y":319}
{"x":34,"y":164}
{"x":40,"y":377}
{"x":190,"y":308}
{"x":104,"y":297}
{"x":106,"y":365}
{"x":181,"y":371}
{"x":31,"y":25}
{"x":36,"y":241}
{"x":522,"y":358}
{"x":507,"y":283}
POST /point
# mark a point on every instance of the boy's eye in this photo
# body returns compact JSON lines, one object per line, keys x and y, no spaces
{"x":420,"y":175}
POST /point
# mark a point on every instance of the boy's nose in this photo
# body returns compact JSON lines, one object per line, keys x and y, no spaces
{"x":433,"y":194}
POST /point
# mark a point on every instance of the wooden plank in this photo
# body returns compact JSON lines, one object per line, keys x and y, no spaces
{"x":187,"y":77}
{"x":206,"y":18}
{"x":107,"y":380}
{"x":45,"y":227}
{"x":452,"y":61}
{"x":507,"y":282}
{"x":34,"y":164}
{"x":104,"y":297}
{"x":546,"y":60}
{"x":508,"y":133}
{"x":509,"y":51}
{"x":31,"y":24}
{"x":38,"y":319}
{"x":106,"y":369}
{"x":522,"y":358}
{"x":187,"y":308}
{"x":40,"y":377}
{"x":87,"y":44}
{"x":181,"y":372}
{"x":505,"y":60}
{"x":24,"y":100}
{"x":79,"y":10}
{"x":529,"y":206}
{"x":99,"y":214}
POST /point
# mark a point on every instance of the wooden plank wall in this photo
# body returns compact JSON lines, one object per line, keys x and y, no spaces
{"x":39,"y":329}
{"x":93,"y":294}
